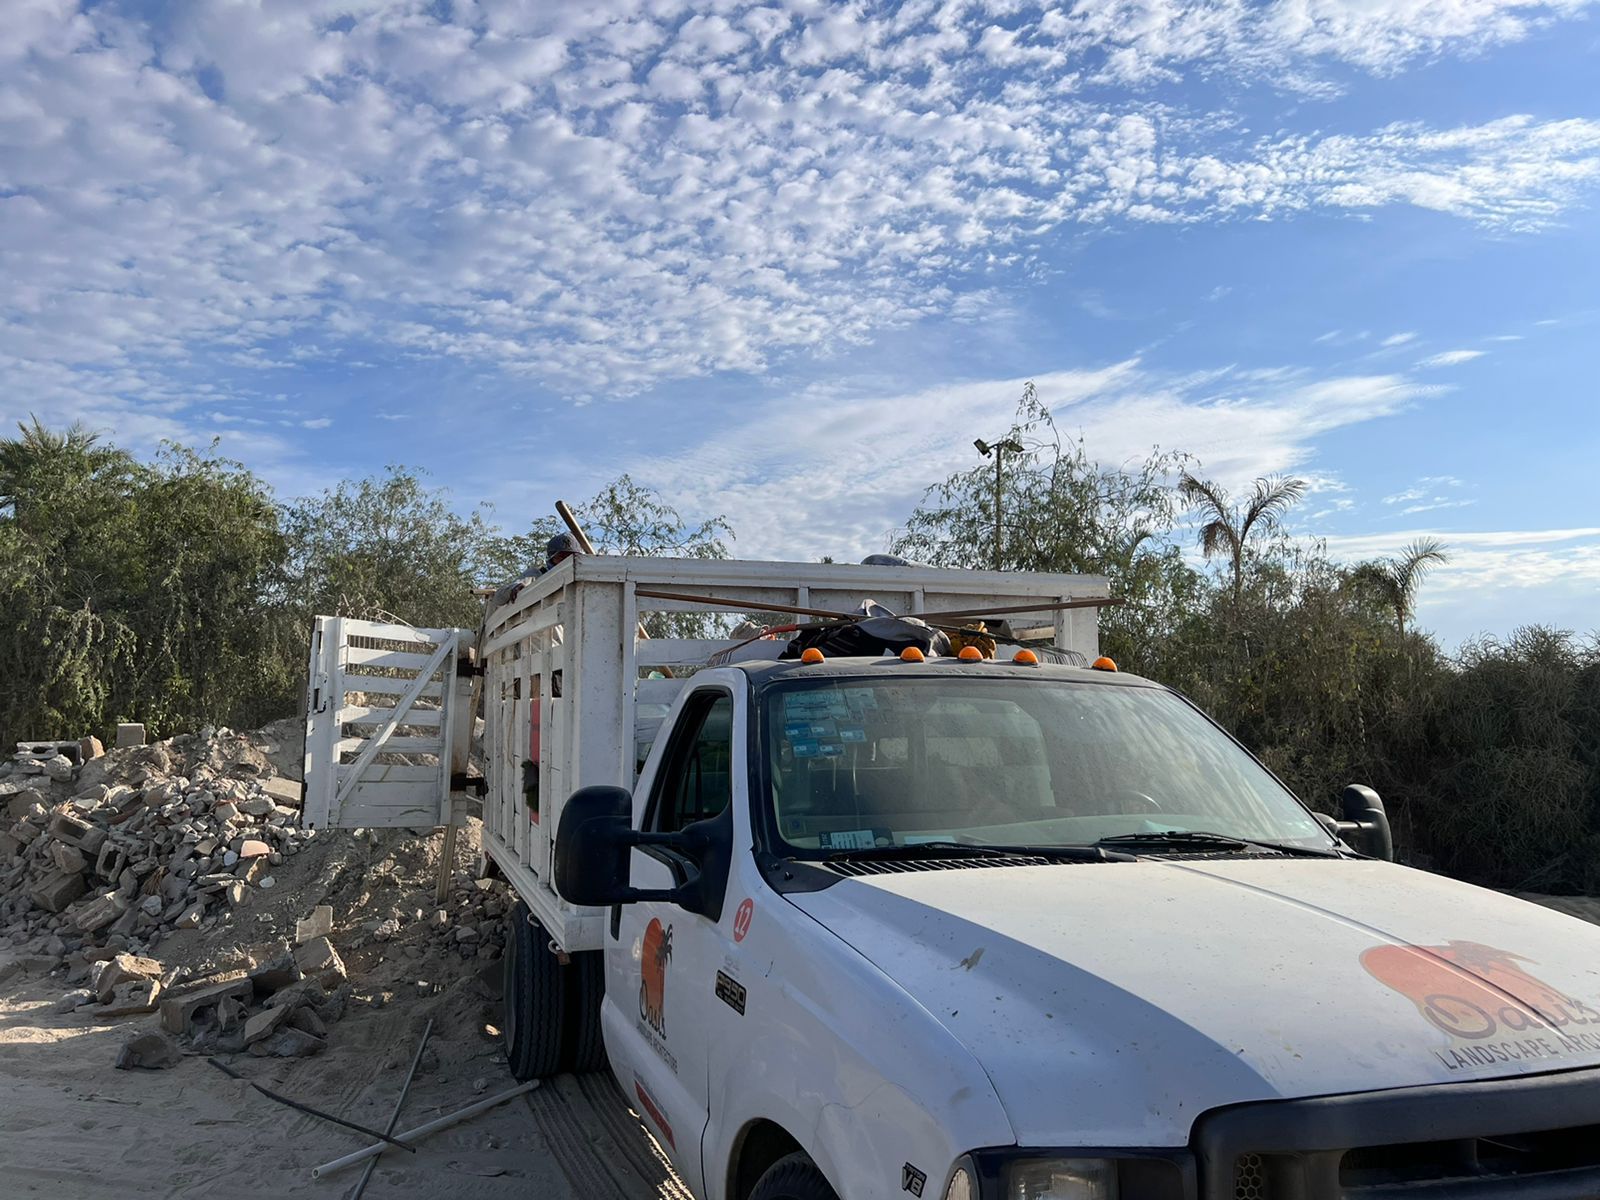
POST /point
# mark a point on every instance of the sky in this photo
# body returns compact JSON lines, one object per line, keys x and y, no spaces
{"x":785,"y":260}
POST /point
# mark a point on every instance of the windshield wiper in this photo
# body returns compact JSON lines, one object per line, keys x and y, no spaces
{"x":943,"y":849}
{"x":1205,"y":839}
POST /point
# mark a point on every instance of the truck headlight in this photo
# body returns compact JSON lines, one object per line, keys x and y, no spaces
{"x":1061,"y":1179}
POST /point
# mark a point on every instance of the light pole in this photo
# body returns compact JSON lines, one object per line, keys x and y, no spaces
{"x":998,"y":449}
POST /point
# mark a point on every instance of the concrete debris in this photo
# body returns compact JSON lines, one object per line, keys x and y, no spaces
{"x":320,"y":961}
{"x":130,"y":734}
{"x":129,"y":999}
{"x":75,"y":999}
{"x":178,"y":1013}
{"x":122,"y":969}
{"x":318,"y":925}
{"x":151,"y":1051}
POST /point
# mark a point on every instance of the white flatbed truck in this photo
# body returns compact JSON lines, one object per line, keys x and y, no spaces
{"x":867,"y":927}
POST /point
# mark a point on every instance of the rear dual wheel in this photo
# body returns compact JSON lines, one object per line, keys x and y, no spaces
{"x":552,"y":1009}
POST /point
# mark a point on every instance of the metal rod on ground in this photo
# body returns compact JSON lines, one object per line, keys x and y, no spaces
{"x":394,"y":1117}
{"x":444,"y":1122}
{"x":447,"y":863}
{"x":308,"y":1110}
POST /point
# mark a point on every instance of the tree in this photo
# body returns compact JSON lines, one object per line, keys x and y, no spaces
{"x":1066,"y":513}
{"x":1228,"y":528}
{"x":1396,"y":580}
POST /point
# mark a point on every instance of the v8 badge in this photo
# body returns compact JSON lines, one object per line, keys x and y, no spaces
{"x":912,"y":1180}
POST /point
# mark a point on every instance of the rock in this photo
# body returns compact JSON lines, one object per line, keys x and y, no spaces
{"x":151,"y":906}
{"x":130,"y":734}
{"x":290,"y":1043}
{"x":90,"y":747}
{"x":150,"y":1051}
{"x":267,"y":882}
{"x":190,"y":917}
{"x":251,"y":870}
{"x":59,"y":768}
{"x":10,"y":847}
{"x":386,"y":929}
{"x":67,"y":858}
{"x":283,"y":791}
{"x":318,"y":925}
{"x":276,"y":975}
{"x":100,"y":912}
{"x":178,"y":1012}
{"x":57,"y":890}
{"x":225,"y":812}
{"x":214,"y":979}
{"x":93,"y":841}
{"x":305,"y":1018}
{"x":265,"y":1023}
{"x":74,"y":999}
{"x":256,"y":806}
{"x":21,"y":803}
{"x":121,"y":969}
{"x":238,"y":893}
{"x":250,"y":848}
{"x":467,"y":933}
{"x":440,"y":919}
{"x":130,"y":998}
{"x":320,"y":961}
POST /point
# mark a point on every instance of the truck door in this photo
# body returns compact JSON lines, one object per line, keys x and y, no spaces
{"x":662,"y":960}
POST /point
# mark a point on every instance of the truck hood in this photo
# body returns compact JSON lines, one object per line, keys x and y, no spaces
{"x":1112,"y":1003}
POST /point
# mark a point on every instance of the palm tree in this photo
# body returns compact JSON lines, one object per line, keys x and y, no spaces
{"x":1228,"y":527}
{"x":1396,"y":580}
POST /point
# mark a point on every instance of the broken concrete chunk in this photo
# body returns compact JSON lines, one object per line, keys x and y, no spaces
{"x":289,"y":1043}
{"x":21,"y":804}
{"x":57,"y":890}
{"x":178,"y":1012}
{"x":74,"y":999}
{"x":305,"y":1017}
{"x":250,"y":848}
{"x":151,"y":1051}
{"x":189,"y":918}
{"x":130,"y":998}
{"x":318,"y":925}
{"x":252,"y":869}
{"x":121,"y":969}
{"x":59,"y":768}
{"x":320,"y":961}
{"x":93,"y":841}
{"x":283,"y":791}
{"x":100,"y":912}
{"x":130,"y":734}
{"x":265,"y":1023}
{"x":276,"y":975}
{"x":69,"y":827}
{"x":67,"y":857}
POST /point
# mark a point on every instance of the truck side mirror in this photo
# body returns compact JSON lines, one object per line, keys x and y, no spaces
{"x":1365,"y":822}
{"x":592,"y":846}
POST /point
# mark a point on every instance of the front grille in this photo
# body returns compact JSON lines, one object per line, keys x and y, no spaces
{"x":1493,"y":1139}
{"x":1249,"y":1178}
{"x":1506,"y":1155}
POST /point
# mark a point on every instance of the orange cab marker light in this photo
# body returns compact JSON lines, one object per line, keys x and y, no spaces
{"x":970,"y":654}
{"x":911,"y":654}
{"x":1026,"y":658}
{"x":810,"y":655}
{"x":1103,"y":664}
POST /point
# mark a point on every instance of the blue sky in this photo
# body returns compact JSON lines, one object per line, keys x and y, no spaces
{"x":783,"y":260}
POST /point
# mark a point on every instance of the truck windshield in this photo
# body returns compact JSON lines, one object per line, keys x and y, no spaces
{"x":859,"y":763}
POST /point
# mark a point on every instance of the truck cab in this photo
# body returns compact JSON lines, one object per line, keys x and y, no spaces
{"x":984,"y":929}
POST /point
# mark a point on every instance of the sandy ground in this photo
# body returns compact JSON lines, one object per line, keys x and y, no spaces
{"x":73,"y":1128}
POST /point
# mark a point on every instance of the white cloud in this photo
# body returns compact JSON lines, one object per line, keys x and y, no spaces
{"x":317,"y":423}
{"x":1397,"y":339}
{"x":509,"y":186}
{"x":862,"y":465}
{"x":1451,"y":358}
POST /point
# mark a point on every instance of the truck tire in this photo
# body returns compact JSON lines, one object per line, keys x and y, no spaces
{"x":586,"y":986}
{"x":534,"y":998}
{"x":793,"y":1177}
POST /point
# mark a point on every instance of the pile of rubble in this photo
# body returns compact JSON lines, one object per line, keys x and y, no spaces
{"x":103,"y":857}
{"x":281,"y":1008}
{"x":125,"y":861}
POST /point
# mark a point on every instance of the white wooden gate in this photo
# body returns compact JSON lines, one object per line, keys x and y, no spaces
{"x":388,"y":723}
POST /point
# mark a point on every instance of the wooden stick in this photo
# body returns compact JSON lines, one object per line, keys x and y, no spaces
{"x":444,"y":1122}
{"x":576,"y":530}
{"x":308,"y":1110}
{"x":394,"y":1117}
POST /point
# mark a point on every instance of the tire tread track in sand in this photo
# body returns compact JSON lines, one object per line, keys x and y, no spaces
{"x":599,"y":1147}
